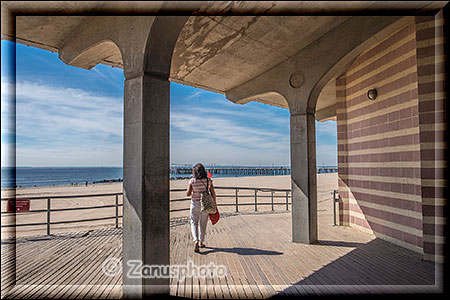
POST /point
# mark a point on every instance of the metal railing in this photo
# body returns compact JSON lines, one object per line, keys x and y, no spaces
{"x":48,"y":210}
{"x":335,"y":200}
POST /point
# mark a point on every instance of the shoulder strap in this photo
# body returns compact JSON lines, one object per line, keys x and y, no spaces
{"x":207,"y":185}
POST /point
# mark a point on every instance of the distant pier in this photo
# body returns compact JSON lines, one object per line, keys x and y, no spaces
{"x":246,"y":171}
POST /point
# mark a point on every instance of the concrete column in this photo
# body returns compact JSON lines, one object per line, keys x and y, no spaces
{"x":146,"y":181}
{"x":303,"y":178}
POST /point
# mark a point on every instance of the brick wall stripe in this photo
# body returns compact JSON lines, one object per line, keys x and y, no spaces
{"x":401,"y":61}
{"x":407,"y":172}
{"x":407,"y":189}
{"x":433,"y":173}
{"x":432,"y":117}
{"x":434,"y":220}
{"x":435,"y":34}
{"x":434,"y":146}
{"x":365,"y":62}
{"x":395,"y":241}
{"x":396,"y":195}
{"x":433,"y":96}
{"x":364,"y":101}
{"x":387,"y":208}
{"x":434,"y":164}
{"x":410,"y":71}
{"x":433,"y":127}
{"x":384,"y":179}
{"x":438,"y":201}
{"x":407,"y":156}
{"x":391,"y":109}
{"x":388,"y":127}
{"x":413,"y":205}
{"x":432,"y":136}
{"x":384,"y":164}
{"x":382,"y":149}
{"x":434,"y":68}
{"x":433,"y":229}
{"x":437,"y":258}
{"x":410,"y":132}
{"x":391,"y":92}
{"x":432,"y":78}
{"x":388,"y":41}
{"x":434,"y":182}
{"x":433,"y":105}
{"x":388,"y":225}
{"x":434,"y":41}
{"x":409,"y":224}
{"x":431,"y":86}
{"x":431,"y":60}
{"x":433,"y":211}
{"x":429,"y":24}
{"x":434,"y":239}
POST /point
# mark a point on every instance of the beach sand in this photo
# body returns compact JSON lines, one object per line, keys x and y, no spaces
{"x":326,"y":183}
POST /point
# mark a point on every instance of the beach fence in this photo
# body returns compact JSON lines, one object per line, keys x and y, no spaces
{"x":63,"y":213}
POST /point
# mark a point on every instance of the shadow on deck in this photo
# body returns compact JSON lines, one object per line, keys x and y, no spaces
{"x":256,"y":249}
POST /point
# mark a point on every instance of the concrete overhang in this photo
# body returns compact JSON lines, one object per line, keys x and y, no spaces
{"x":215,"y":51}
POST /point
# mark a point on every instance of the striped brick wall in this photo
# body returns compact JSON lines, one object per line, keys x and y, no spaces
{"x":432,"y":108}
{"x":344,"y":191}
{"x":379,"y":147}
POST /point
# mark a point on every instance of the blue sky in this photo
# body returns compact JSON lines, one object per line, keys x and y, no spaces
{"x":67,"y":116}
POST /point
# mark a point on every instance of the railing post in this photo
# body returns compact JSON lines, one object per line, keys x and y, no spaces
{"x":117,"y":211}
{"x":334,"y":208}
{"x":287,"y":200}
{"x":237,"y":209}
{"x":272,"y":199}
{"x":256,"y":200}
{"x":48,"y":216}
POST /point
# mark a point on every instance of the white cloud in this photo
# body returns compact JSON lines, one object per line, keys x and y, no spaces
{"x":58,"y":126}
{"x":212,"y":139}
{"x":326,"y":128}
{"x":326,"y":155}
{"x":226,"y":131}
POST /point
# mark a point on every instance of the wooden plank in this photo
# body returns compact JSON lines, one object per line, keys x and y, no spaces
{"x":23,"y":270}
{"x":319,"y":269}
{"x":40,"y":273}
{"x":227,"y":284}
{"x":74,"y":279}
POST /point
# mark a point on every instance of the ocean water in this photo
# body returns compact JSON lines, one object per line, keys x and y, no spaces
{"x":59,"y":176}
{"x":29,"y":177}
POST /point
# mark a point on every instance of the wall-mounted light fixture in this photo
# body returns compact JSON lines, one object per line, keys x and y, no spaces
{"x":372,"y":94}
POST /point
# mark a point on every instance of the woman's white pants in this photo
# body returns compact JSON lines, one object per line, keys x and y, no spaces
{"x":199,"y":220}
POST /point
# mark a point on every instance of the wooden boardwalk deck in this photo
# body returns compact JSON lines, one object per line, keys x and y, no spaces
{"x":256,"y":249}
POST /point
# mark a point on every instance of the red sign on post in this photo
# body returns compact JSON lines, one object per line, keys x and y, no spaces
{"x":18,"y":204}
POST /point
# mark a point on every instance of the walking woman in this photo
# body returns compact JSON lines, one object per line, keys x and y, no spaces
{"x":198,"y":184}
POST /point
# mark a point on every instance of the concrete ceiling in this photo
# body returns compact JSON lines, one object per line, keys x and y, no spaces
{"x":223,"y":52}
{"x":216,"y":53}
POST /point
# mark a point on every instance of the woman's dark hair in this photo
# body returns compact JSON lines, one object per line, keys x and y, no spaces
{"x":199,"y":171}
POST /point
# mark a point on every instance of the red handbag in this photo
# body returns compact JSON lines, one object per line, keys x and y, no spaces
{"x":214,"y":217}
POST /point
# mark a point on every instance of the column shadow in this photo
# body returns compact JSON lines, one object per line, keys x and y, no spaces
{"x":376,"y":267}
{"x":240,"y":251}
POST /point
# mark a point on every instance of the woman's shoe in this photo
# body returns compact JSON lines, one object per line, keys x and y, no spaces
{"x":196,"y":248}
{"x":202,"y":245}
